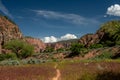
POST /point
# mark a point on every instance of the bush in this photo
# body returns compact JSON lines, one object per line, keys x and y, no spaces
{"x":27,"y":50}
{"x":11,"y":56}
{"x":20,"y":48}
{"x":10,"y":62}
{"x":49,"y":49}
{"x":76,"y":49}
{"x":118,"y":42}
{"x":60,"y":50}
{"x":83,"y":51}
{"x":94,"y":46}
{"x":104,"y":55}
{"x":32,"y":61}
{"x":109,"y":43}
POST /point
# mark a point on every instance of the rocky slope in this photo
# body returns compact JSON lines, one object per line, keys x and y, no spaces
{"x":62,"y":44}
{"x":109,"y":31}
{"x":115,"y":51}
{"x":39,"y":46}
{"x":8,"y":31}
{"x":90,"y":39}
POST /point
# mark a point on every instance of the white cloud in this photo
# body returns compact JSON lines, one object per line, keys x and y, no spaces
{"x":50,"y":39}
{"x":72,"y":18}
{"x":53,"y":39}
{"x":114,"y":10}
{"x":4,"y":9}
{"x":68,"y":36}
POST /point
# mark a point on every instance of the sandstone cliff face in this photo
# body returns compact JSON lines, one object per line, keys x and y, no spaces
{"x":90,"y":39}
{"x":55,"y":46}
{"x":107,"y":32}
{"x":8,"y":31}
{"x":39,"y":46}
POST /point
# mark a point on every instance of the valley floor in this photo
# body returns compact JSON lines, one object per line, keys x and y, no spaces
{"x":64,"y":70}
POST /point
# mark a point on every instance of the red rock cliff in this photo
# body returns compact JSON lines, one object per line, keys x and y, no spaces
{"x":8,"y":31}
{"x":39,"y":46}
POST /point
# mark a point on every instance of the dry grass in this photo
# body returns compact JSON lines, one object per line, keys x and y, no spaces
{"x":27,"y":72}
{"x":89,"y":70}
{"x":69,"y":70}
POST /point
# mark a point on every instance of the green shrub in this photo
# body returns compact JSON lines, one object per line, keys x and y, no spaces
{"x":104,"y":55}
{"x":9,"y":62}
{"x":20,"y":48}
{"x":76,"y":49}
{"x":94,"y":46}
{"x":83,"y":52}
{"x":27,"y":50}
{"x":32,"y":61}
{"x":49,"y":49}
{"x":109,"y":43}
{"x":60,"y":50}
{"x":11,"y":56}
{"x":118,"y":42}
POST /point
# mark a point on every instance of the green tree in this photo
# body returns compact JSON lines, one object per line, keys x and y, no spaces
{"x":76,"y":49}
{"x":117,"y":35}
{"x":20,"y":48}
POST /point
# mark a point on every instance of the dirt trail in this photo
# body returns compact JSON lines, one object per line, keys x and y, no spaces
{"x":58,"y":74}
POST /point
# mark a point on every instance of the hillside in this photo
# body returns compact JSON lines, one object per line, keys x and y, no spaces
{"x":8,"y":31}
{"x":105,"y":42}
{"x":107,"y":35}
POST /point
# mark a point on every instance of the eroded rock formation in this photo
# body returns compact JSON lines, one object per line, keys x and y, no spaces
{"x":39,"y":46}
{"x":8,"y":31}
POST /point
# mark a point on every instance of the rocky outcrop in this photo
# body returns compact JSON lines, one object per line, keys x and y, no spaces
{"x":39,"y":46}
{"x":90,"y":39}
{"x":8,"y":31}
{"x":58,"y":46}
{"x":55,"y":46}
{"x":109,"y":31}
{"x":62,"y":44}
{"x":115,"y":51}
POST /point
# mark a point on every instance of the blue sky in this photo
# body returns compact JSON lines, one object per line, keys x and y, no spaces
{"x":53,"y":20}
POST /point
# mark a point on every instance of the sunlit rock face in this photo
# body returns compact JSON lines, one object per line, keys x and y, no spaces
{"x":8,"y":31}
{"x":39,"y":46}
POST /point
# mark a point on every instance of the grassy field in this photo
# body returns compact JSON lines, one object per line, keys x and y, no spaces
{"x":90,"y":70}
{"x":28,"y":72}
{"x":68,"y":69}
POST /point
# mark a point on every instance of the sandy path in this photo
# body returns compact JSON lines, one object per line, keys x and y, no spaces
{"x":58,"y":74}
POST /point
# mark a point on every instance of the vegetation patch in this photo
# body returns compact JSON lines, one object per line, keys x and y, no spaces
{"x":20,"y":48}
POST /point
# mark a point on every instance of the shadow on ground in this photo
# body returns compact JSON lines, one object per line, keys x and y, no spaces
{"x":106,"y":75}
{"x":109,"y":75}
